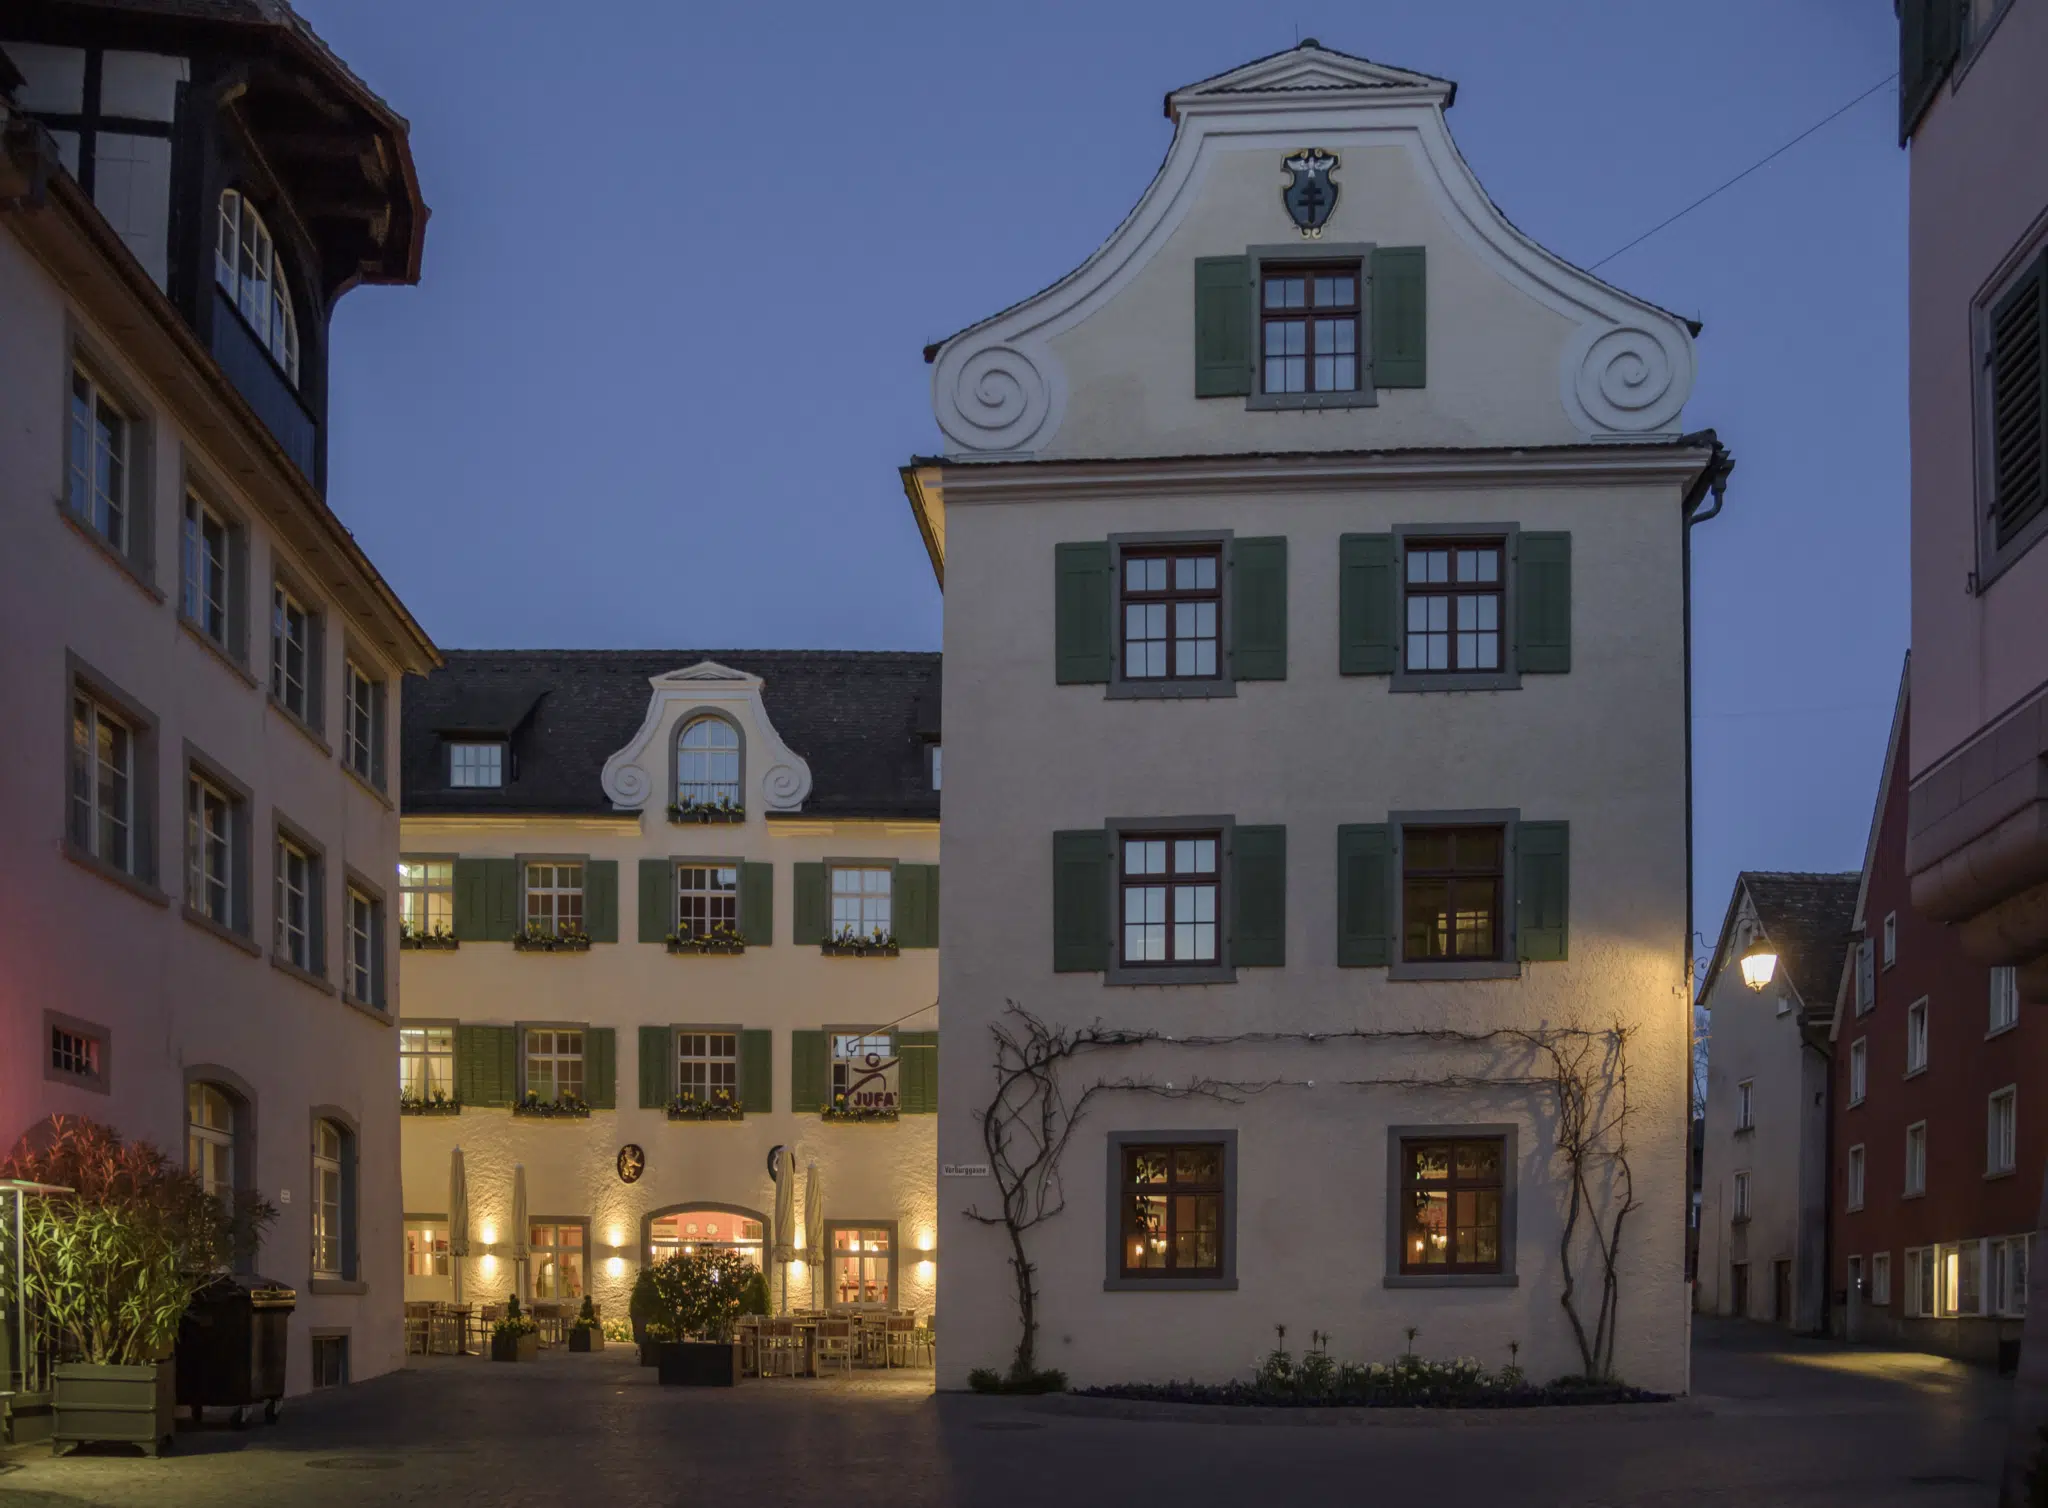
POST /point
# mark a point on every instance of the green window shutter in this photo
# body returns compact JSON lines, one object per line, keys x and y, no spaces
{"x":809,"y":1076}
{"x":1082,"y":616}
{"x":1258,"y":609}
{"x":1258,"y":897}
{"x":1400,"y":317}
{"x":601,"y":1067}
{"x":2018,"y":395}
{"x":757,"y":1070}
{"x":657,"y":901}
{"x":915,"y":905}
{"x":917,"y":1072}
{"x":483,"y":1055}
{"x":1080,"y":901}
{"x":1224,"y":319}
{"x":1543,"y":890}
{"x":501,"y":899}
{"x":1930,"y":36}
{"x":508,"y":1063}
{"x":1365,"y":896}
{"x":812,"y":907}
{"x":757,"y":904}
{"x":655,"y":1042}
{"x":1543,"y":604}
{"x":601,"y":899}
{"x":1368,"y":604}
{"x":471,"y":902}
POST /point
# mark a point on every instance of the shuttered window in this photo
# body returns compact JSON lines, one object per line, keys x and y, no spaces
{"x":2016,"y":394}
{"x":1930,"y":32}
{"x":1459,"y":608}
{"x":1285,"y":331}
{"x":1152,"y":616}
{"x":1472,"y":900}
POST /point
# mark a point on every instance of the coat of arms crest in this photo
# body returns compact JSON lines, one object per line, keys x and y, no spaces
{"x":1311,"y":192}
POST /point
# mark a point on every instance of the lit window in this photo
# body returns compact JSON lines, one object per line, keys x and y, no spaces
{"x":96,"y":478}
{"x":1451,"y":893}
{"x":863,"y":1267}
{"x":294,"y":904}
{"x":210,"y":1138}
{"x":1453,"y":595}
{"x":102,"y":784}
{"x":1958,"y":1273}
{"x":707,"y":1066}
{"x":1309,"y":328}
{"x":209,"y":850}
{"x":426,"y":898}
{"x":327,"y":1197}
{"x":557,"y":1261}
{"x":481,"y":766}
{"x":1172,"y":1201}
{"x":690,"y":1230}
{"x":554,"y":1063}
{"x":554,"y":899}
{"x":2005,"y":998}
{"x":707,"y":900}
{"x":860,"y":903}
{"x":2000,"y":1131}
{"x":1916,"y":1036}
{"x":246,"y":265}
{"x":708,"y":764}
{"x":1916,"y":1158}
{"x":291,"y":653}
{"x":1452,"y":1205}
{"x":1172,"y":607}
{"x":1170,"y":890}
{"x":426,"y":1064}
{"x":206,"y":557}
{"x":426,"y":1248}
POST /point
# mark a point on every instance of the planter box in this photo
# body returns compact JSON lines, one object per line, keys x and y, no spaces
{"x":699,"y":1363}
{"x":526,"y":944}
{"x":737,"y":1113}
{"x":650,"y":1352}
{"x":430,"y":944}
{"x":589,"y":1338}
{"x":716,"y":946}
{"x":551,"y":1110}
{"x":859,"y":1117}
{"x":516,"y":1347}
{"x":859,"y":950}
{"x":124,"y":1405}
{"x":430,"y":1107}
{"x":704,"y":818}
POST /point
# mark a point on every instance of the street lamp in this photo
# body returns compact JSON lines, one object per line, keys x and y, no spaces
{"x":1759,"y":963}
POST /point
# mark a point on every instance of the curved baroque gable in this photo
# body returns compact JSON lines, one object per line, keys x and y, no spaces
{"x":635,"y":776}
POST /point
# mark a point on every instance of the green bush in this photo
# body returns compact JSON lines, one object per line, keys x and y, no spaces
{"x":697,"y":1294}
{"x":755,"y":1299}
{"x":989,"y":1380}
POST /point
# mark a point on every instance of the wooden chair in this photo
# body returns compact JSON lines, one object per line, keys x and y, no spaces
{"x":835,"y":1345}
{"x":780,"y":1348}
{"x":419,"y":1329}
{"x":924,"y":1342}
{"x":898,"y":1332}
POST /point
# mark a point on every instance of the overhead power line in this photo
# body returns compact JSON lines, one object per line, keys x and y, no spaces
{"x":1760,"y":162}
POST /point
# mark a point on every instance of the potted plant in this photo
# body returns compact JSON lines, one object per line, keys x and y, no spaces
{"x":436,"y":1102}
{"x":641,"y":1314}
{"x":721,"y":1106}
{"x":535,"y":938}
{"x":515,"y":1337}
{"x":112,"y":1263}
{"x":438,"y":938}
{"x":689,"y":809}
{"x":586,"y":1334}
{"x":562,"y":1107}
{"x":696,"y":1297}
{"x":723,"y":938}
{"x":840,"y":1110}
{"x":851,"y":944}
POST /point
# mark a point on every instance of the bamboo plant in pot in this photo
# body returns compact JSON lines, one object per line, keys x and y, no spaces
{"x":111,"y":1266}
{"x":697,"y":1298}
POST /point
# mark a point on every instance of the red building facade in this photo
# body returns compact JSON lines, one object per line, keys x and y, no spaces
{"x":1939,"y":1110}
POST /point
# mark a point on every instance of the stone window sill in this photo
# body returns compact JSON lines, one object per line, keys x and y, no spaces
{"x":338,"y":1286}
{"x":1914,"y":1073}
{"x":1476,"y":969}
{"x":134,"y":884}
{"x":1204,"y":974}
{"x":1476,"y":680}
{"x":376,"y":1013}
{"x":1992,"y":1175}
{"x":311,"y":733}
{"x":1999,"y":1031}
{"x":370,"y":787}
{"x":219,"y":651}
{"x":1362,"y":397}
{"x":1450,"y":1280}
{"x":1169,"y":1285}
{"x":1138,"y":691}
{"x":222,"y":931}
{"x":304,"y":976}
{"x":1748,"y":1130}
{"x":133,"y":570}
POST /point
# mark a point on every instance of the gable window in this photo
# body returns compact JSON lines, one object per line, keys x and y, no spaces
{"x":2000,"y":1131}
{"x":1451,"y":1205}
{"x":208,"y":546}
{"x":708,"y":900}
{"x":708,"y":764}
{"x":1740,"y":1209}
{"x":1172,"y":1210}
{"x":1308,"y":327}
{"x":362,"y":742}
{"x":291,"y":653}
{"x":2005,"y":998}
{"x":210,"y":850}
{"x":97,"y":479}
{"x":102,"y":783}
{"x":1859,"y":1069}
{"x":1172,"y":612}
{"x":554,"y":898}
{"x":295,"y":877}
{"x":1854,"y":1190}
{"x":210,"y":1138}
{"x":1745,"y":1105}
{"x":426,"y":1063}
{"x":426,"y":897}
{"x":1451,"y":882}
{"x":328,"y":1192}
{"x":1916,"y":1036}
{"x":708,"y":1065}
{"x":1170,"y":887}
{"x":248,"y":269}
{"x":1916,"y":1159}
{"x":861,"y":902}
{"x":1455,"y":606}
{"x":557,"y":1248}
{"x":554,"y":1063}
{"x":365,"y":922}
{"x":476,"y":766}
{"x":426,"y":1248}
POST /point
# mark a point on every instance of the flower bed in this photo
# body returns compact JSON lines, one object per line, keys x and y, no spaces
{"x":540,"y":940}
{"x":568,"y":1107}
{"x":720,"y":1107}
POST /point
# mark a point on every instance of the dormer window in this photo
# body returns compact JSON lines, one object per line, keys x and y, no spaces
{"x":476,"y":766}
{"x":246,"y":265}
{"x":708,"y":764}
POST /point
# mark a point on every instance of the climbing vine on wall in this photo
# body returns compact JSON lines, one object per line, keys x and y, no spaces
{"x":1046,"y":1076}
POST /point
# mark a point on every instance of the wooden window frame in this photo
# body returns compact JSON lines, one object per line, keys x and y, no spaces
{"x":1453,"y":591}
{"x":1507,"y":538}
{"x":2004,"y":1147}
{"x":827,"y":1261}
{"x":504,"y":764}
{"x":425,"y":888}
{"x":1501,"y":952}
{"x":1920,"y":1033}
{"x":439,"y":1260}
{"x":712,"y":791}
{"x":558,"y":1224}
{"x":1283,"y":259}
{"x":1115,"y":1277}
{"x":1222,"y":970}
{"x":1171,"y":880}
{"x":99,"y":1079}
{"x":554,"y":1055}
{"x":1406,"y":1186}
{"x":362,"y":722}
{"x":680,"y":1037}
{"x":1171,"y":597}
{"x":1911,"y":1191}
{"x":1172,"y":1191}
{"x":555,"y":890}
{"x":1123,"y":685}
{"x":1307,"y":315}
{"x":690,"y":927}
{"x":425,"y":1055}
{"x":1855,"y":1178}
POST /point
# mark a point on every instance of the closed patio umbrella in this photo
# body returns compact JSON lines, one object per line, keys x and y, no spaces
{"x":519,"y":1251}
{"x":785,"y":1217}
{"x":458,"y":1219}
{"x":814,"y":1231}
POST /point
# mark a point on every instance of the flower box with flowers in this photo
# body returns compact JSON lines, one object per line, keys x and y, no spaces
{"x":684,"y":813}
{"x":721,"y":1106}
{"x":853,"y":945}
{"x":541,"y":940}
{"x":566,"y":1107}
{"x":720,"y":939}
{"x":438,"y":1103}
{"x":437,"y":939}
{"x":840,"y":1111}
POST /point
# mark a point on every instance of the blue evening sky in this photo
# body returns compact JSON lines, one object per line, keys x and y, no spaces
{"x":665,"y":359}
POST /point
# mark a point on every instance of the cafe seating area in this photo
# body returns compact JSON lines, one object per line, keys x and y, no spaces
{"x":436,"y":1329}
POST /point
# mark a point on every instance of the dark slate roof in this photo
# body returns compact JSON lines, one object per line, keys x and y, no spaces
{"x":1812,"y":919}
{"x":861,"y":720}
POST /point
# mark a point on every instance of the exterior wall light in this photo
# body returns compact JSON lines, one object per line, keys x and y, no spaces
{"x":1759,"y":963}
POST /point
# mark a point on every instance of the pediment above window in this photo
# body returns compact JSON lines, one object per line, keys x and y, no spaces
{"x":774,"y":777}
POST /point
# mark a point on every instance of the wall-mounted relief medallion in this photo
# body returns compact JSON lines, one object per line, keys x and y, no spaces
{"x":632,"y":1163}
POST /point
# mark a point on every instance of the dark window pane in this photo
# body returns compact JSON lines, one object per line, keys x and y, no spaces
{"x":1198,"y":1165}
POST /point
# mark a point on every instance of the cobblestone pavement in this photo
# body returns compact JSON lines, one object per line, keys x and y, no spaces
{"x":1773,"y":1421}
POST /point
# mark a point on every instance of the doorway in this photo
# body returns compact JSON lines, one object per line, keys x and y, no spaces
{"x":1738,"y":1290}
{"x":1781,"y":1292}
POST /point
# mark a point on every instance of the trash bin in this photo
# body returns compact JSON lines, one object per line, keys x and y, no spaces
{"x":231,"y":1347}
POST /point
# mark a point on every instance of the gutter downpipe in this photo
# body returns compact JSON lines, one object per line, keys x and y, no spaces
{"x":1713,"y":478}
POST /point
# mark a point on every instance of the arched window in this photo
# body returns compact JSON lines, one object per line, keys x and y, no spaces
{"x":708,"y":1227}
{"x":330,"y":1198}
{"x":708,"y":763}
{"x":246,"y":265}
{"x":210,"y":1138}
